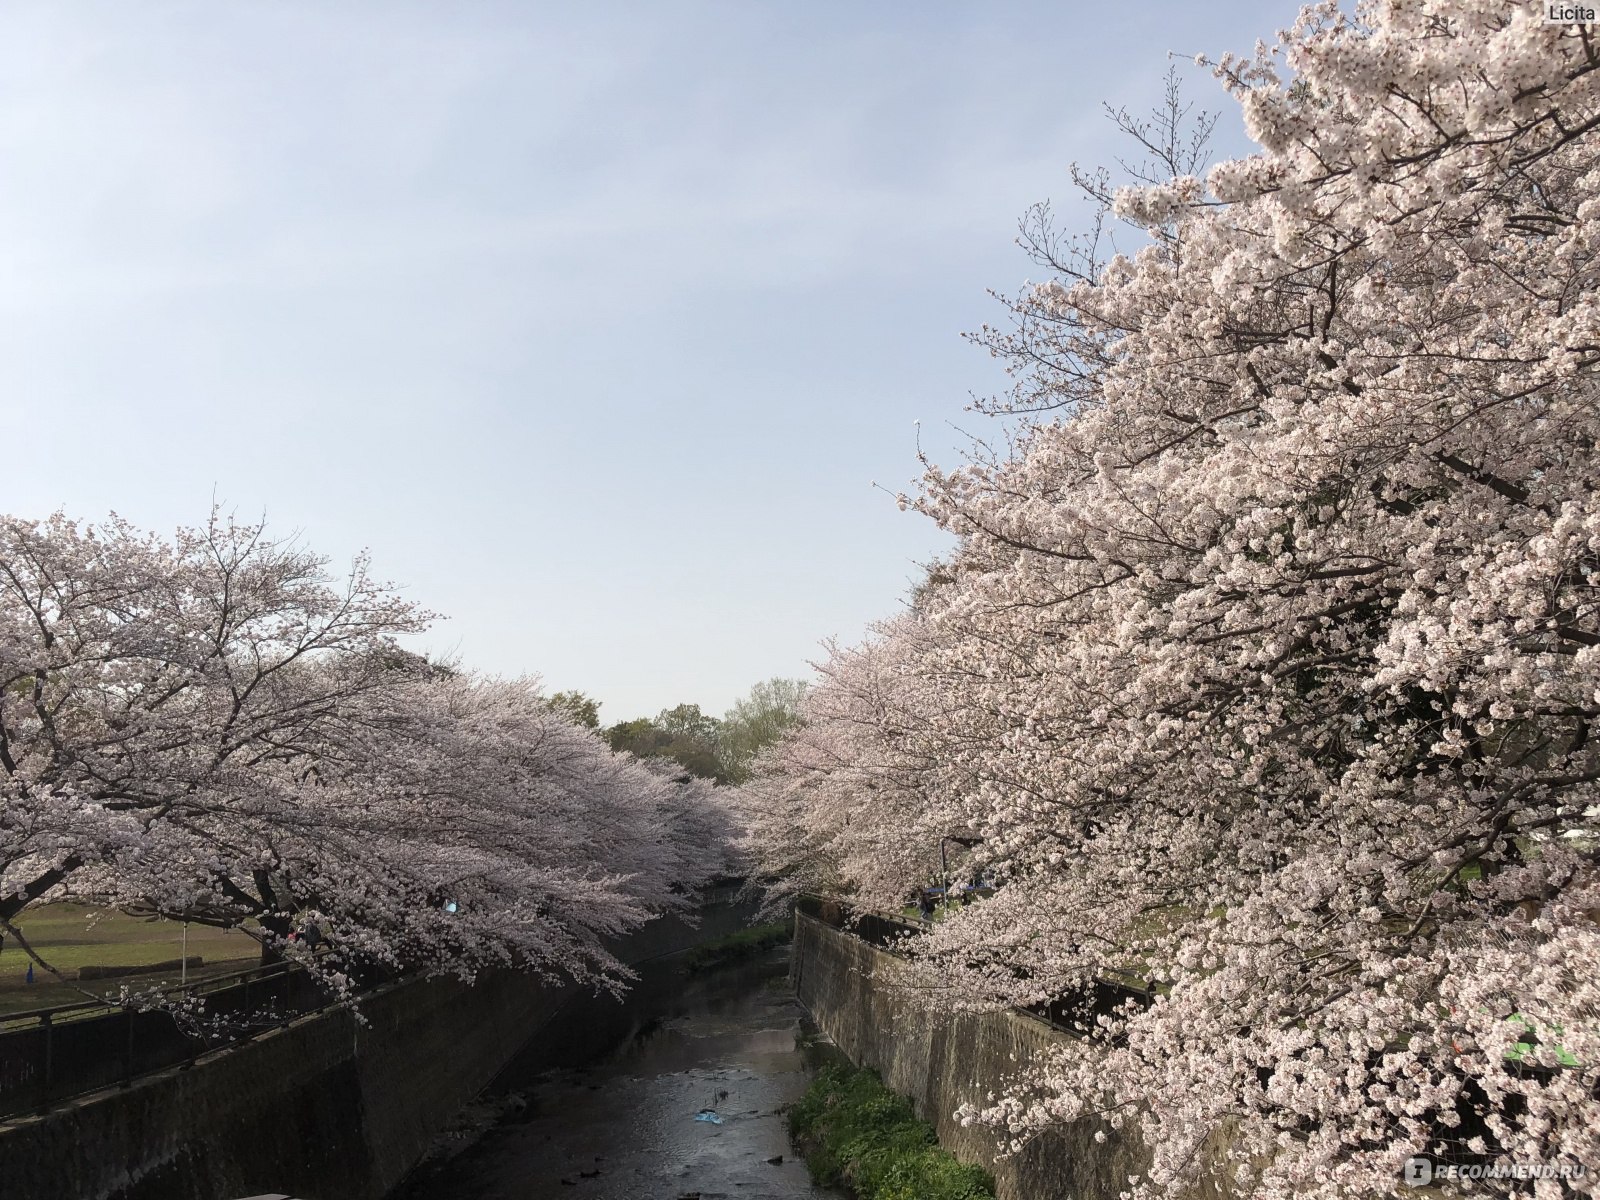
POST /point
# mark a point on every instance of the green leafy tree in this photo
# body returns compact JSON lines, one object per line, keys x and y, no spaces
{"x":687,"y":721}
{"x":640,"y":737}
{"x":582,"y":708}
{"x":683,"y":734}
{"x":703,"y":745}
{"x":770,"y":710}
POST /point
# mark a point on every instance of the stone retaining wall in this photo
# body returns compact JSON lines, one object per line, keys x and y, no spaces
{"x":855,"y":994}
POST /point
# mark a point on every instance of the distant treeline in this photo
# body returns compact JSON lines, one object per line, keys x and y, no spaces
{"x":706,"y":746}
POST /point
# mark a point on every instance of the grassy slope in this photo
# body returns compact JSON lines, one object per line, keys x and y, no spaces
{"x":69,"y":936}
{"x":857,"y":1133}
{"x":736,"y":946}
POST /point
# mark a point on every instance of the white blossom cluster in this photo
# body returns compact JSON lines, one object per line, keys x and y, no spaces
{"x":212,"y":728}
{"x":1266,"y":667}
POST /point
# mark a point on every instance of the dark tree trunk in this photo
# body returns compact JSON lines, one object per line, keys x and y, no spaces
{"x":278,"y":927}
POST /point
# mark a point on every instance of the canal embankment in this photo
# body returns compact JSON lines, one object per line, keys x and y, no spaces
{"x":859,"y":996}
{"x":338,"y":1105}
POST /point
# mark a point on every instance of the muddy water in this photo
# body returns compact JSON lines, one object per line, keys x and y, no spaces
{"x":602,"y":1106}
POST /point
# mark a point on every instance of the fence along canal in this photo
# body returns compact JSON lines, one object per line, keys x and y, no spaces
{"x":52,"y":1054}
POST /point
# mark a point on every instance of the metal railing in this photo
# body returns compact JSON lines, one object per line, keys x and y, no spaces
{"x":55,"y":1053}
{"x":50,"y":1054}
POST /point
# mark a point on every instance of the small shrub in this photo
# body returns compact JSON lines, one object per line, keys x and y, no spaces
{"x":857,"y":1133}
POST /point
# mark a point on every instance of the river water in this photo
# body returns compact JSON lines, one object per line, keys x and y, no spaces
{"x":602,"y":1106}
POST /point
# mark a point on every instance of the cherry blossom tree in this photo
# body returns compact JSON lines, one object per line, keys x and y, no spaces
{"x":138,"y":675}
{"x":462,"y":823}
{"x":842,"y":802}
{"x":212,"y":727}
{"x":1266,"y":663}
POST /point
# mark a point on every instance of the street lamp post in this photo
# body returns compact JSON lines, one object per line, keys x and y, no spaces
{"x":944,"y":861}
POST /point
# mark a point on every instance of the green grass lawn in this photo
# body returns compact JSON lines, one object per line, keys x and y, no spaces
{"x":69,"y":936}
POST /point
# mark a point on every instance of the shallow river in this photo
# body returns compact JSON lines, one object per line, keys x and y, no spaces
{"x":603,"y":1105}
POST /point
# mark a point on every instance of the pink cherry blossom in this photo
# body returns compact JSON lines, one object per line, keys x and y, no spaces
{"x":213,"y":727}
{"x":1265,"y":667}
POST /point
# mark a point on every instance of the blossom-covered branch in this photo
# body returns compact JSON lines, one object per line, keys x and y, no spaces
{"x":213,"y":728}
{"x":1266,"y":666}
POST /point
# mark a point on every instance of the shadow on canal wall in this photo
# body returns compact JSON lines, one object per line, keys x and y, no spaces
{"x":323,"y":1108}
{"x":943,"y":1060}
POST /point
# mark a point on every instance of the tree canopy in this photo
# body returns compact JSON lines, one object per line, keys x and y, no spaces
{"x":579,"y":708}
{"x":213,"y":726}
{"x":717,"y":749}
{"x":1265,"y":667}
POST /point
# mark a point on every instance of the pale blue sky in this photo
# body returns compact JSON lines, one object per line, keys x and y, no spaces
{"x":594,"y":323}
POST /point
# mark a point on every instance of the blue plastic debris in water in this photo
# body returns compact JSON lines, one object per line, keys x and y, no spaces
{"x":706,"y":1114}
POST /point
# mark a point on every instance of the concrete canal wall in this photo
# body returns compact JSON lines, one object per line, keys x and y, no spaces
{"x":325,"y":1108}
{"x":854,"y":993}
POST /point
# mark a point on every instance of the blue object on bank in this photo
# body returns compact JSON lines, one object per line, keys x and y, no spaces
{"x":706,"y":1114}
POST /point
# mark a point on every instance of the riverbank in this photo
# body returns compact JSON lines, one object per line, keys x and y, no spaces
{"x":736,"y":947}
{"x":857,"y":1134}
